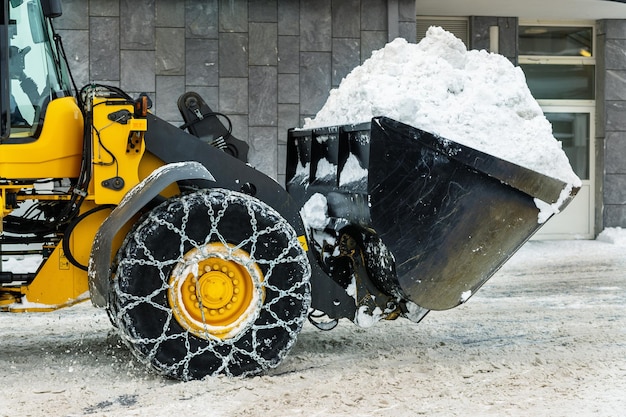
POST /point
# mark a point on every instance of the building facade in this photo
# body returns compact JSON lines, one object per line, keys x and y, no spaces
{"x":268,"y":64}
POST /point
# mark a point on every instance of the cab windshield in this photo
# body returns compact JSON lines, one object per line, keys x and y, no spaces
{"x":36,"y":73}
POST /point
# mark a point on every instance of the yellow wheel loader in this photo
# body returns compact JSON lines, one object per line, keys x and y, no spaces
{"x":203,"y":263}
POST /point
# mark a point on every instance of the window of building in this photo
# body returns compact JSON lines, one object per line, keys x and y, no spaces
{"x":560,"y":81}
{"x":575,"y":41}
{"x":558,"y":61}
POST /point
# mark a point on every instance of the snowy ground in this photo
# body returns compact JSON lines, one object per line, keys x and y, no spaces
{"x":545,"y":337}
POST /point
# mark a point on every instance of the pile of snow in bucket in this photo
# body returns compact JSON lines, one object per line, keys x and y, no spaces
{"x":475,"y":98}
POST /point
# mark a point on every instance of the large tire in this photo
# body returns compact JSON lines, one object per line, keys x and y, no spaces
{"x":214,"y":282}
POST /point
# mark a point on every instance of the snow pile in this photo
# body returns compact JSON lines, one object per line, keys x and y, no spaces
{"x":352,"y":171}
{"x":614,"y":235}
{"x":314,"y":213}
{"x":21,"y":264}
{"x":473,"y":97}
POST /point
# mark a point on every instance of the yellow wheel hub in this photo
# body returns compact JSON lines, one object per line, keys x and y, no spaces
{"x":215,"y":290}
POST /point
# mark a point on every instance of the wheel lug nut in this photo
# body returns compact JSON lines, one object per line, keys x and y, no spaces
{"x":231,"y":274}
{"x":236,"y":290}
{"x":224,"y":269}
{"x":221,"y":311}
{"x":216,"y":267}
{"x":234,"y":299}
{"x":229,"y":306}
{"x":207,"y":268}
{"x":235,"y":282}
{"x":192,"y":288}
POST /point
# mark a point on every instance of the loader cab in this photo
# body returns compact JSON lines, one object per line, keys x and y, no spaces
{"x":32,"y":71}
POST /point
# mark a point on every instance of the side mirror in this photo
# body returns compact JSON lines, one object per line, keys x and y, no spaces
{"x":51,"y":8}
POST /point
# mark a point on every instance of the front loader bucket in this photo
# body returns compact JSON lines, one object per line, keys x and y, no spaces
{"x":450,"y":215}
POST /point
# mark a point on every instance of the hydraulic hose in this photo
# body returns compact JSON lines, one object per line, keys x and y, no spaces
{"x":68,"y":233}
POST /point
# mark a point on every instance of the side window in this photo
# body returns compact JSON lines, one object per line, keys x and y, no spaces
{"x":36,"y":74}
{"x":22,"y":94}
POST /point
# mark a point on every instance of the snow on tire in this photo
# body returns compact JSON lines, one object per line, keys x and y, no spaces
{"x":213,"y":282}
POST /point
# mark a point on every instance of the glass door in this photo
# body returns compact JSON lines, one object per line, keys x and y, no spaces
{"x":573,"y":127}
{"x":559,"y":63}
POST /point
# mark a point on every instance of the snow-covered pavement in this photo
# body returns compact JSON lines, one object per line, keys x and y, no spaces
{"x":546,"y":336}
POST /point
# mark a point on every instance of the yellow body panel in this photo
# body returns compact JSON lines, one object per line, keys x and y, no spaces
{"x":57,"y":151}
{"x":59,"y":283}
{"x":118,"y":154}
{"x":117,"y":151}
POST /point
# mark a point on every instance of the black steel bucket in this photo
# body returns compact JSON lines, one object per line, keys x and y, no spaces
{"x":450,"y":215}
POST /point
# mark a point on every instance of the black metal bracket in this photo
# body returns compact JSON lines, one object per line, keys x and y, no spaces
{"x":120,"y":116}
{"x":115,"y":183}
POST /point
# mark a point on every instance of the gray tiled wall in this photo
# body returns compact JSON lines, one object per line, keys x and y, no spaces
{"x":507,"y":34}
{"x":267,"y":64}
{"x":611,"y":123}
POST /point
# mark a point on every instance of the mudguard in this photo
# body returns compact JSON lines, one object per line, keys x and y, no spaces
{"x":99,"y":272}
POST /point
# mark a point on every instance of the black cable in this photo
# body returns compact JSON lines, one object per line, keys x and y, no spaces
{"x":61,"y":48}
{"x":197,"y":120}
{"x":31,"y":210}
{"x":113,"y":158}
{"x":79,"y":190}
{"x":22,"y":226}
{"x":116,"y":90}
{"x":68,"y":232}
